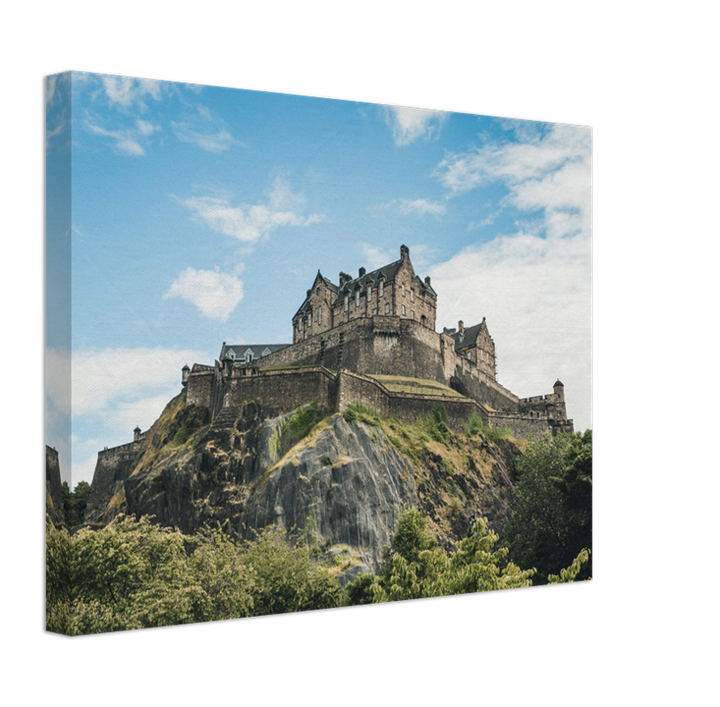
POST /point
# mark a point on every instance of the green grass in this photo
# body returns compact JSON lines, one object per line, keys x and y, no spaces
{"x":422,"y":386}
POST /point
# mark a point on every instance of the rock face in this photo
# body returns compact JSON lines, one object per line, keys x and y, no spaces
{"x":347,"y":485}
{"x":342,"y":485}
{"x":53,"y":488}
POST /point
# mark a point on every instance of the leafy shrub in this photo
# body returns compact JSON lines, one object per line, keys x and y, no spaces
{"x":473,"y":425}
{"x":357,"y":412}
{"x":302,"y":422}
{"x":437,"y":424}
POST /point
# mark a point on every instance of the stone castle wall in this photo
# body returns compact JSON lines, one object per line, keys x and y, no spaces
{"x":372,"y":345}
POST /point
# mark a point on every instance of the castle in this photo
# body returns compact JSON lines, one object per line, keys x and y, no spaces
{"x":372,"y":338}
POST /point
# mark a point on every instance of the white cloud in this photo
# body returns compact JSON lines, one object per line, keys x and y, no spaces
{"x":214,"y":293}
{"x":536,"y":295}
{"x":411,"y":124}
{"x":127,"y":140}
{"x":125,"y":91}
{"x":204,"y":130}
{"x":534,"y":286}
{"x":515,"y":162}
{"x":374,"y":257}
{"x":407,"y":207}
{"x":101,"y":378}
{"x":250,"y":223}
{"x":114,"y":390}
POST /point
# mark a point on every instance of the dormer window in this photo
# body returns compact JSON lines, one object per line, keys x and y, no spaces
{"x":370,"y":293}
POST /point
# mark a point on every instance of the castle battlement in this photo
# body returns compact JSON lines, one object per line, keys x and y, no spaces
{"x":380,"y":323}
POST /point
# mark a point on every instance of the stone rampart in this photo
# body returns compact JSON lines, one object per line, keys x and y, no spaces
{"x":378,"y":345}
{"x":113,"y":467}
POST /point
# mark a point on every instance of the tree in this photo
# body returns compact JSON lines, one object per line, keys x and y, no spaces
{"x":552,"y":510}
{"x":132,"y":574}
{"x":58,"y":580}
{"x":75,"y":502}
{"x":286,"y":578}
{"x":415,"y":566}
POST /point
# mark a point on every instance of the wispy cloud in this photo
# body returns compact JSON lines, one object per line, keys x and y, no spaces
{"x":251,"y":223}
{"x":406,"y":207}
{"x":214,"y":293}
{"x":205,"y":130}
{"x":411,"y":124}
{"x":130,"y":92}
{"x":127,"y":141}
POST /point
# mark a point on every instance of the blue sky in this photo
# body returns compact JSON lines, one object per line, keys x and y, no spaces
{"x":202,"y":214}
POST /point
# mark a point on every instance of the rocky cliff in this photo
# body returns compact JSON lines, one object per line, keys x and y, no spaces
{"x":339,"y":481}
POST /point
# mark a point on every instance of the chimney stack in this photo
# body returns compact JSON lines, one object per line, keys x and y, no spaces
{"x":461,"y":327}
{"x":427,"y":280}
{"x":361,"y":272}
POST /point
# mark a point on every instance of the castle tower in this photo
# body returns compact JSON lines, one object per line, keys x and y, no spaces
{"x":136,"y":434}
{"x":185,"y":374}
{"x":560,"y":409}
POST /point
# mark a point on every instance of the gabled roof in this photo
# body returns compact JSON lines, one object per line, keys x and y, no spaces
{"x":387,"y":273}
{"x":318,"y":278}
{"x":468,"y":337}
{"x":238,"y":351}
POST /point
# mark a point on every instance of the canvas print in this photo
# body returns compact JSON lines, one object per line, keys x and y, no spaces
{"x":305,"y":353}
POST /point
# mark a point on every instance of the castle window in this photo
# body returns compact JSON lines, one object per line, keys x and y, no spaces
{"x":387,"y":308}
{"x":370,"y":293}
{"x":403,"y":308}
{"x":412,"y":314}
{"x":347,"y":300}
{"x":300,"y":324}
{"x":382,"y":288}
{"x":357,"y":298}
{"x":375,"y":310}
{"x":412,"y":295}
{"x":402,"y":289}
{"x":319,"y":315}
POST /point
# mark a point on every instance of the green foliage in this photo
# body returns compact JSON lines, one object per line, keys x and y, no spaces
{"x":473,"y":425}
{"x":302,"y":422}
{"x":497,"y":433}
{"x":134,"y":574}
{"x":437,"y":424}
{"x":75,"y":502}
{"x":552,"y":510}
{"x":58,"y":580}
{"x":414,"y":566}
{"x":570,"y":573}
{"x":184,"y":433}
{"x":361,"y":413}
{"x":226,"y":579}
{"x":359,"y":591}
{"x":286,"y":578}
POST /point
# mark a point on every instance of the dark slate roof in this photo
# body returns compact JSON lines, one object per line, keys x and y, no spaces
{"x":467,"y":338}
{"x":258,"y":350}
{"x":558,"y":383}
{"x":387,"y":272}
{"x":332,"y":287}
